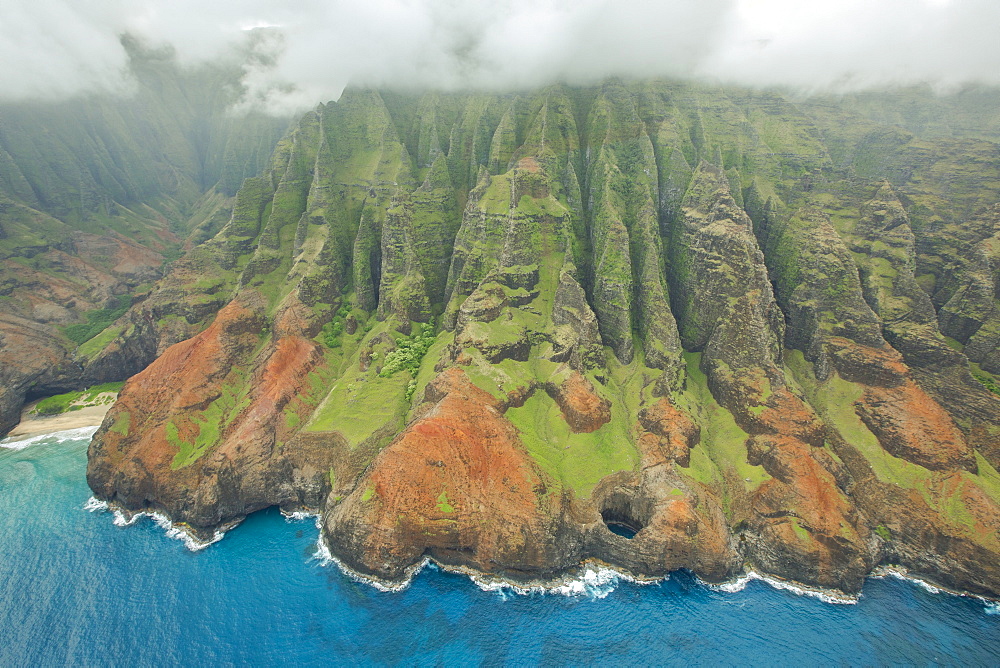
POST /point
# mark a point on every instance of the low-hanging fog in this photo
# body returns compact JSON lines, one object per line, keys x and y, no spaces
{"x":307,"y":50}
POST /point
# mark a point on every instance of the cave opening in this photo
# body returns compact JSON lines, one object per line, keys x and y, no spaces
{"x":621,"y":523}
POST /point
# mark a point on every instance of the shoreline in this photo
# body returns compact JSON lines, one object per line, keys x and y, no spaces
{"x":29,"y":426}
{"x":599,"y":578}
{"x":591,"y":576}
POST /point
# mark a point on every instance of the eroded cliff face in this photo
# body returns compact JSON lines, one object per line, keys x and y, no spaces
{"x":50,"y":274}
{"x":96,"y":194}
{"x":486,"y":329}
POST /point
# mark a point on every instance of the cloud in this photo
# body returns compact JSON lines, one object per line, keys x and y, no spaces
{"x":852,"y":44}
{"x":312,"y":48}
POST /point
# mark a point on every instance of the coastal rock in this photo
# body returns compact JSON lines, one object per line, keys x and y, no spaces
{"x":456,"y":485}
{"x":652,"y":324}
{"x":150,"y":458}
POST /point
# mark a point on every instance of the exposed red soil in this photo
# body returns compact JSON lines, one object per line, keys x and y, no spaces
{"x":582,"y":409}
{"x":911,"y":425}
{"x":666,"y":434}
{"x":458,"y":483}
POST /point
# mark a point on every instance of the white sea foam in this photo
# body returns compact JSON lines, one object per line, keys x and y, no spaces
{"x":95,"y":505}
{"x":181,"y":533}
{"x":731,"y":587}
{"x":55,"y":437}
{"x":593,"y":580}
{"x":123,"y":518}
{"x":900,"y":573}
{"x":325,"y":558}
{"x":990,"y":606}
{"x":826,"y":595}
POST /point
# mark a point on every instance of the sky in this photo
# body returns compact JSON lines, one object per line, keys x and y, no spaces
{"x":52,"y":49}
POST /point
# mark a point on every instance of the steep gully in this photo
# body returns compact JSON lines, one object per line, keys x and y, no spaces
{"x":619,"y":342}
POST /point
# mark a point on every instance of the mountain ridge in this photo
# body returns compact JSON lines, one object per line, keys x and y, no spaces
{"x":483,"y":327}
{"x":98,"y":193}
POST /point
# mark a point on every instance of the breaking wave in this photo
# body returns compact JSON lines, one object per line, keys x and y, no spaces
{"x":826,"y":595}
{"x":593,"y":580}
{"x":51,"y":438}
{"x":991,"y":607}
{"x":177,"y":531}
{"x":900,"y":573}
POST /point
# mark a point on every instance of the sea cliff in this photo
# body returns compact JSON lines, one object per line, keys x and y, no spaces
{"x":483,"y":328}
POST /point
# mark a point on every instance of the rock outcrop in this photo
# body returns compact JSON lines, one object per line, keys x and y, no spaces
{"x":653,"y":324}
{"x":96,"y":194}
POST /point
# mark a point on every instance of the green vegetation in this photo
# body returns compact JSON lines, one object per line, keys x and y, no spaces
{"x":74,"y":401}
{"x":883,"y":533}
{"x":122,"y":423}
{"x":409,"y":352}
{"x":800,"y":531}
{"x":722,"y":451}
{"x":209,"y":424}
{"x":94,"y":346}
{"x":97,"y":321}
{"x":442,"y":503}
{"x":953,"y":344}
{"x":333,"y":330}
{"x":578,"y":461}
{"x":368,"y":493}
{"x":292,"y":418}
{"x":361,"y":403}
{"x":988,"y":380}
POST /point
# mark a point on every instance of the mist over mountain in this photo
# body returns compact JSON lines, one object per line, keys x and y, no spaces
{"x":306,"y":52}
{"x":706,"y":285}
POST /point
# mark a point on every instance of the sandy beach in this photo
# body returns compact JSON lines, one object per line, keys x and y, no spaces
{"x":92,"y":416}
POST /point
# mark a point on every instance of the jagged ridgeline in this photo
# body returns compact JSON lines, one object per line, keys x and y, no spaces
{"x":492,"y":328}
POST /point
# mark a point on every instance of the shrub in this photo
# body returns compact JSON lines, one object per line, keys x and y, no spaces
{"x":333,"y":330}
{"x":409,"y":353}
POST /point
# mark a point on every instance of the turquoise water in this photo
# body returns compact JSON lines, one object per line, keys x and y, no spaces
{"x":76,"y":589}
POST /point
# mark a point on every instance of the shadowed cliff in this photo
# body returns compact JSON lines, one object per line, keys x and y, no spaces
{"x":485,"y":328}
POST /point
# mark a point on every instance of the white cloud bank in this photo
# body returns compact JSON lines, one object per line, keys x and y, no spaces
{"x":57,"y":48}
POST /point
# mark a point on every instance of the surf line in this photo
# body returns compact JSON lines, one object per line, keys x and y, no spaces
{"x":55,"y":437}
{"x":591,"y":578}
{"x":902,"y":573}
{"x":740,"y":582}
{"x":176,"y":530}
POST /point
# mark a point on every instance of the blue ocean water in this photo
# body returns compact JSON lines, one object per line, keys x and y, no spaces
{"x":76,"y":589}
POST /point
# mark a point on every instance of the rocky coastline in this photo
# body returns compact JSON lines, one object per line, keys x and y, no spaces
{"x":491,"y":330}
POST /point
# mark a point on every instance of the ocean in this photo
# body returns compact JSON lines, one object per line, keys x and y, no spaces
{"x":76,"y":589}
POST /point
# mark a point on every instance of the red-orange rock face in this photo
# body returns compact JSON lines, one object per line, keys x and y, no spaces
{"x":802,"y":516}
{"x":139,"y":457}
{"x":911,"y":425}
{"x":667,"y":434}
{"x":583,"y":409}
{"x":458,"y":485}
